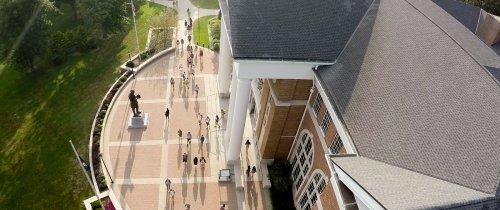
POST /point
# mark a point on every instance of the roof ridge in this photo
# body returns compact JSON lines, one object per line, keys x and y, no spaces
{"x":456,"y":41}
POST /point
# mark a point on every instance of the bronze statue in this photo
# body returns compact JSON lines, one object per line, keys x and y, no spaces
{"x":134,"y":104}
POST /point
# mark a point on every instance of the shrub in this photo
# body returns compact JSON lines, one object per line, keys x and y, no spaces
{"x":215,"y":45}
{"x":279,"y":173}
{"x":130,"y":64}
{"x":59,"y":46}
{"x":143,"y":55}
{"x":281,"y":185}
{"x":84,"y":40}
{"x":214,"y":25}
{"x":96,"y":205}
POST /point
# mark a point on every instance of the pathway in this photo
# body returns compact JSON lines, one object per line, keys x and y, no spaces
{"x":140,"y":160}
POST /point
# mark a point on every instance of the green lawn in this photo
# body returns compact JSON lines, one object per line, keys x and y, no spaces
{"x":42,"y":110}
{"x":207,"y":4}
{"x":200,"y":30}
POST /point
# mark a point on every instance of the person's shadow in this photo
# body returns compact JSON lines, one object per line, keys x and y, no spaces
{"x":195,"y":184}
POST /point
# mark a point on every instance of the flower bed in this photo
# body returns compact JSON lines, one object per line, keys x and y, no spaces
{"x":97,"y":128}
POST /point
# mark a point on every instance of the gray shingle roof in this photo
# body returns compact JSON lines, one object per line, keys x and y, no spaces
{"x":398,"y":188}
{"x":466,"y":14}
{"x":293,"y":29}
{"x":414,"y":97}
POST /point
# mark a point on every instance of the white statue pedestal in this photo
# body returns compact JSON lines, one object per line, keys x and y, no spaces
{"x":138,"y":122}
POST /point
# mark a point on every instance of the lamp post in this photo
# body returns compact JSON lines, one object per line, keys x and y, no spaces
{"x":129,"y":57}
{"x":135,"y":28}
{"x":198,"y":25}
{"x":100,"y":156}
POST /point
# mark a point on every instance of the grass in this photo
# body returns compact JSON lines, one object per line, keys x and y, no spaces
{"x":42,"y":110}
{"x":200,"y":30}
{"x":206,"y":4}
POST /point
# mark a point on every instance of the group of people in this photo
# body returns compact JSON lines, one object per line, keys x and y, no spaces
{"x":251,"y":169}
{"x":207,"y":121}
{"x":192,"y":51}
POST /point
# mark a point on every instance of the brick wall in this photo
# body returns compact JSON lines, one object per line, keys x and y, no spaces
{"x":319,"y":162}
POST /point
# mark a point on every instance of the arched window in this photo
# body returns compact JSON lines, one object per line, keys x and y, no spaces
{"x":314,"y":189}
{"x":302,"y":159}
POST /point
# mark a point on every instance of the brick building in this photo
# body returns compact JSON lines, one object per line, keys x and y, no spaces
{"x":378,"y":104}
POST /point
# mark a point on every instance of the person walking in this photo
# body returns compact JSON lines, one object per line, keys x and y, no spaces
{"x":217,"y":121}
{"x":172,"y":82}
{"x":202,"y":139}
{"x":247,"y":143}
{"x":185,"y":158}
{"x":189,"y":136}
{"x":189,"y":38}
{"x":195,"y":161}
{"x":188,"y":207}
{"x":254,"y":169}
{"x":167,"y":183}
{"x":177,"y":44}
{"x":248,"y":170}
{"x":179,"y":132}
{"x":199,"y":119}
{"x":172,"y":193}
{"x":207,"y":121}
{"x":223,"y":207}
{"x":196,"y":89}
{"x":202,"y":162}
{"x":167,"y":114}
{"x":182,"y":43}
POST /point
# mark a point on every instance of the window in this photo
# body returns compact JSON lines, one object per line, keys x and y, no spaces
{"x":336,"y":145}
{"x":266,"y":114}
{"x":317,"y":104}
{"x":303,"y":201}
{"x":321,"y":186}
{"x":326,"y":122}
{"x":314,"y":189}
{"x":299,"y":182}
{"x":302,"y":159}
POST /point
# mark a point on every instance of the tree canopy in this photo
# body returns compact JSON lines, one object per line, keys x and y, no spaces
{"x":107,"y":16}
{"x":491,"y":6}
{"x":24,"y":28}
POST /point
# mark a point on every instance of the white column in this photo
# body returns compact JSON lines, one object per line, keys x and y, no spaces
{"x":239,"y":118}
{"x":225,"y":60}
{"x":230,"y":114}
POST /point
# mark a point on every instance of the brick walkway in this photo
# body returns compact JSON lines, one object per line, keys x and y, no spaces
{"x":140,"y":160}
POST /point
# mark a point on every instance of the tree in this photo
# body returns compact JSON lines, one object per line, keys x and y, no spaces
{"x":74,"y":7}
{"x":24,"y":28}
{"x":106,"y":16}
{"x":491,"y":6}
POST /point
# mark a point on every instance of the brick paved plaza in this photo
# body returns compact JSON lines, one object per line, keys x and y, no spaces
{"x":140,"y":160}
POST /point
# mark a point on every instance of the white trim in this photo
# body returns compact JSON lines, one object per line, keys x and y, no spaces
{"x":252,"y":69}
{"x":224,"y":29}
{"x":340,"y":127}
{"x":301,"y":120}
{"x":336,"y":190}
{"x":357,"y":190}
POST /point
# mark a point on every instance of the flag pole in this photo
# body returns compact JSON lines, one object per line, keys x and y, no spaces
{"x":86,"y":174}
{"x":135,"y":28}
